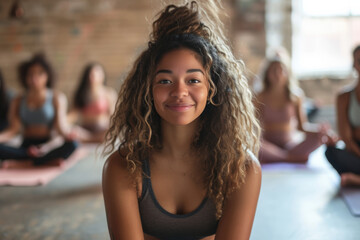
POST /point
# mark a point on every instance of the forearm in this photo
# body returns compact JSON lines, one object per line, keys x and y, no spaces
{"x":6,"y":135}
{"x":51,"y":144}
{"x":311,"y":127}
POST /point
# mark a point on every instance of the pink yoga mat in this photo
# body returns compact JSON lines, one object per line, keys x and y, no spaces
{"x":22,"y":173}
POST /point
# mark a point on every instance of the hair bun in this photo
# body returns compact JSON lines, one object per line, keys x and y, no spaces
{"x":177,"y":20}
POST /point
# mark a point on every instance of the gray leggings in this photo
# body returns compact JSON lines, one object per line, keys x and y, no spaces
{"x":342,"y":160}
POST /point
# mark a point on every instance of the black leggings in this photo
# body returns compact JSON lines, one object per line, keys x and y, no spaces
{"x":20,"y":153}
{"x":342,"y":160}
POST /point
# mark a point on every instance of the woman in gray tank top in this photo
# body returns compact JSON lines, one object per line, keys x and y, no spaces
{"x":347,"y":161}
{"x":36,"y":114}
{"x":182,"y":136}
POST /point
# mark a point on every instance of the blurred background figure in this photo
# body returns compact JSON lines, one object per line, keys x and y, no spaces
{"x":16,"y":10}
{"x":36,"y":114}
{"x":5,"y":99}
{"x":310,"y":106}
{"x":347,"y":161}
{"x":281,"y":114}
{"x":94,"y":102}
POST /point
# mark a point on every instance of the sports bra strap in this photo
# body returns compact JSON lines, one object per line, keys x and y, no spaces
{"x":145,"y":178}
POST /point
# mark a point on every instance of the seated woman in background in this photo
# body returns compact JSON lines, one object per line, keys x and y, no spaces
{"x":5,"y":98}
{"x":94,"y":103}
{"x":36,"y":113}
{"x":281,"y":115}
{"x":347,"y":161}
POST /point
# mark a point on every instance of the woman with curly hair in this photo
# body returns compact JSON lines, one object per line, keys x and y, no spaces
{"x":185,"y":124}
{"x":94,"y":103}
{"x":36,"y":114}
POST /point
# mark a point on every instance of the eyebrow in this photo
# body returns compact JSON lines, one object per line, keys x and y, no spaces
{"x":188,"y":71}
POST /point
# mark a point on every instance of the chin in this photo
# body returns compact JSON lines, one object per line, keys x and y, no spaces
{"x":181,"y":122}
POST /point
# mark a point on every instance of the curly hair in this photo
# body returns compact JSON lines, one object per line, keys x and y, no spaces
{"x":82,"y":91}
{"x":38,"y":59}
{"x":228,"y":127}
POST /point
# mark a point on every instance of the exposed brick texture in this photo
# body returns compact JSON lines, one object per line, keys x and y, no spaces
{"x":74,"y":32}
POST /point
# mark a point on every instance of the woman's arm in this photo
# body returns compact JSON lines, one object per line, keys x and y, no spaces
{"x":323,"y":130}
{"x":14,"y":121}
{"x":73,"y":116}
{"x":303,"y":124}
{"x":239,"y":209}
{"x":343,"y":124}
{"x":121,"y":201}
{"x":60,"y":122}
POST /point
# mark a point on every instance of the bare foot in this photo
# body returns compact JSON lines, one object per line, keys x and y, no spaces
{"x":350,"y":179}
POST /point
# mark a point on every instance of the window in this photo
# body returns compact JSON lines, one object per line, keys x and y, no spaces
{"x":325,"y":32}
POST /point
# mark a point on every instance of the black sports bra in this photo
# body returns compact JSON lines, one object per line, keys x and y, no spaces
{"x":159,"y":223}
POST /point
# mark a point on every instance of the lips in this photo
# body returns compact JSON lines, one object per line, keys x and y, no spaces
{"x":179,"y":107}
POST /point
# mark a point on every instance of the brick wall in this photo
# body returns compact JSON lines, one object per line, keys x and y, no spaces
{"x":249,"y":37}
{"x":73,"y":33}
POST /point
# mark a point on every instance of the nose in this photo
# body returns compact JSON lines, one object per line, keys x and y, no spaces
{"x":179,"y":89}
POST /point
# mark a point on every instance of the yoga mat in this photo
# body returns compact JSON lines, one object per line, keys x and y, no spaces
{"x":352,"y":198}
{"x":23,"y":173}
{"x":317,"y":161}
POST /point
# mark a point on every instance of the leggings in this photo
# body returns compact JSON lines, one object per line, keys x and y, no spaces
{"x":342,"y":160}
{"x":20,"y":153}
{"x":293,"y":153}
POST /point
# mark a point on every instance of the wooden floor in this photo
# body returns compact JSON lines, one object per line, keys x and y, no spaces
{"x":69,"y":207}
{"x":296,"y":202}
{"x":303,"y":202}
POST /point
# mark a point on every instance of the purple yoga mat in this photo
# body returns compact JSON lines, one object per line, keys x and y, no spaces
{"x":352,"y":198}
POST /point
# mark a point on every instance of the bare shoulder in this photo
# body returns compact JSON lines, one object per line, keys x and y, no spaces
{"x":17,"y":99}
{"x":59,"y":97}
{"x":297,"y":99}
{"x":116,"y":174}
{"x":344,"y":95}
{"x":240,"y":206}
{"x":115,"y":167}
{"x":253,"y":164}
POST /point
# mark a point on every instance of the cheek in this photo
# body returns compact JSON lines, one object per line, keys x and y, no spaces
{"x":158,"y":97}
{"x":44,"y":79}
{"x":202,"y":96}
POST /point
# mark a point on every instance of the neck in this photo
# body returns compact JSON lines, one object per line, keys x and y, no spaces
{"x":177,"y":140}
{"x":96,"y":88}
{"x":277,"y":90}
{"x":37,"y":92}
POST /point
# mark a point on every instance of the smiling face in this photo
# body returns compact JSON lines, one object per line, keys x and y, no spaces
{"x":180,"y":87}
